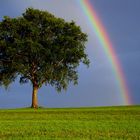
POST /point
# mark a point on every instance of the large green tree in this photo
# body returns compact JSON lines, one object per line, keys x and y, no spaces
{"x":41,"y":49}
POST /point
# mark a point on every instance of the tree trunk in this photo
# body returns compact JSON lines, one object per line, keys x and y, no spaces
{"x":34,"y":97}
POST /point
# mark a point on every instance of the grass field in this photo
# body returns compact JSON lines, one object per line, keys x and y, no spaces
{"x":99,"y":123}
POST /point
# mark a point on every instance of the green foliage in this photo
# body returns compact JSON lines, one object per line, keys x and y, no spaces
{"x":7,"y":72}
{"x":108,"y":123}
{"x":41,"y":48}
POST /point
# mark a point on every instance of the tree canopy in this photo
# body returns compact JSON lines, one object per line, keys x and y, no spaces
{"x":42,"y":49}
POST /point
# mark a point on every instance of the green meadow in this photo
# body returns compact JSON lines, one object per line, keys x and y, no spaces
{"x":103,"y":123}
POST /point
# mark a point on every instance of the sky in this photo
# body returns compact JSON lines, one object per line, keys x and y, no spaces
{"x":97,"y":84}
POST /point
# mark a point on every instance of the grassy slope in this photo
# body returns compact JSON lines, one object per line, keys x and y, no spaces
{"x":81,"y":123}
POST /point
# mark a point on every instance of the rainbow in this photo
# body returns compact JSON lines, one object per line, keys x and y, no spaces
{"x":103,"y":38}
